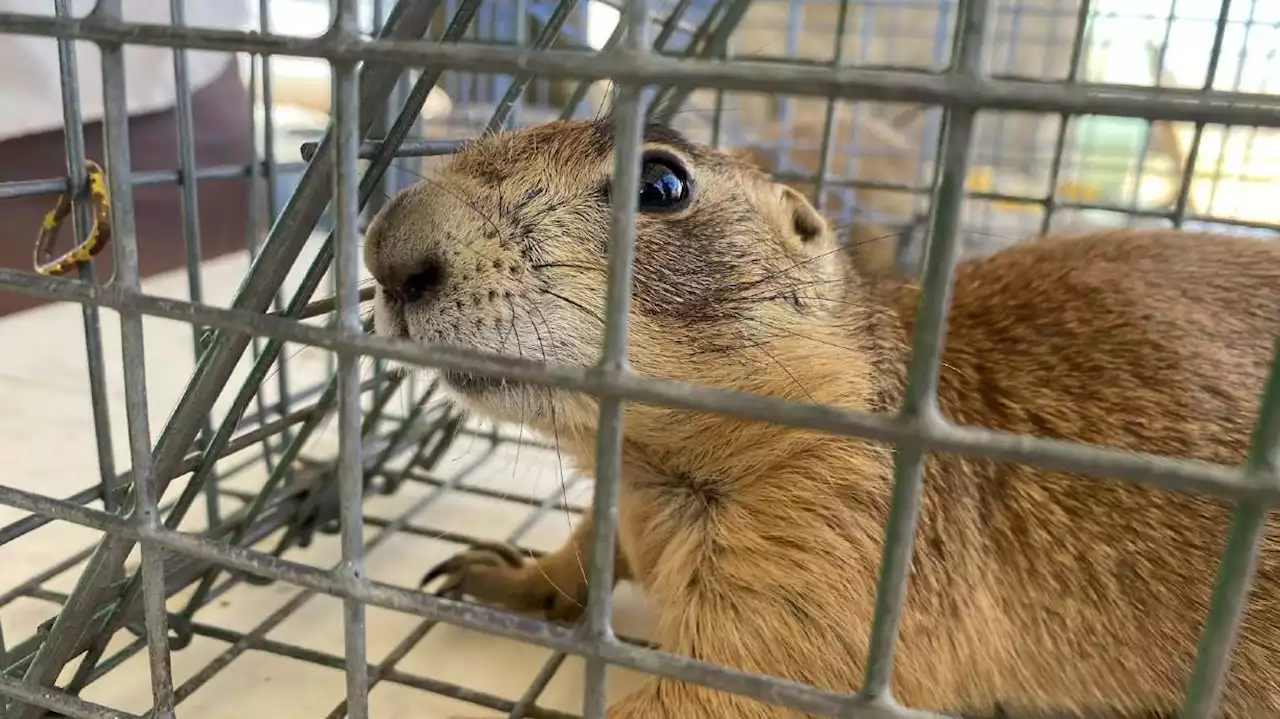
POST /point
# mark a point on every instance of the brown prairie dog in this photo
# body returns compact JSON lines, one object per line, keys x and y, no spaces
{"x":760,"y":544}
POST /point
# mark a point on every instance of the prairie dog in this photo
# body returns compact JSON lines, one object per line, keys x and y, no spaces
{"x":760,"y":544}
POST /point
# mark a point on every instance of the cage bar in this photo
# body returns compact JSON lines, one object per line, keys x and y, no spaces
{"x":1232,"y":108}
{"x":269,"y":169}
{"x":346,"y":118}
{"x":920,"y":404}
{"x":77,"y":183}
{"x":1239,"y":560}
{"x":191,"y":217}
{"x":628,"y":121}
{"x":119,"y":165}
{"x":1051,"y":203}
{"x":827,"y":148}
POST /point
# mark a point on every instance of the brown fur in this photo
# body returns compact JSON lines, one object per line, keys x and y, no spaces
{"x":761,"y":544}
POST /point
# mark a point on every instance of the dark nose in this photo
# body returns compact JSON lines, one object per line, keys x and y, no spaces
{"x":424,"y":283}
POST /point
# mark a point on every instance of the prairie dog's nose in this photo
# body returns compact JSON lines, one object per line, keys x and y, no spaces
{"x":423,"y":283}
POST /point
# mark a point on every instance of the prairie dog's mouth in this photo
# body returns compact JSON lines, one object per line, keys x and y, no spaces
{"x":396,"y":319}
{"x":388,"y":317}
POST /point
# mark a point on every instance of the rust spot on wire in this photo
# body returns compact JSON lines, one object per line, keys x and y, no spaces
{"x":99,"y":236}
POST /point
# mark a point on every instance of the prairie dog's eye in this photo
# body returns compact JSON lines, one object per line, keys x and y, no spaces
{"x":664,"y":184}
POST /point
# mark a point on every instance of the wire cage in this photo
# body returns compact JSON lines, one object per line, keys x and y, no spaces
{"x":294,"y":467}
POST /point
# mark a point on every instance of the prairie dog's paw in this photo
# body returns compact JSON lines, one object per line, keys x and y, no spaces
{"x":499,"y":575}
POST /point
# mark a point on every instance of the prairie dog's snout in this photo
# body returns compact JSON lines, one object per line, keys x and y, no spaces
{"x":447,"y":271}
{"x":456,"y":259}
{"x":432,"y":271}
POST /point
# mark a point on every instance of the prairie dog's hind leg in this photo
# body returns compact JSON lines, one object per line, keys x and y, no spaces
{"x":553,"y":586}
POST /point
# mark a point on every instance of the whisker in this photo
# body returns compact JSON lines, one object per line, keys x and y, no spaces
{"x":515,"y":462}
{"x":567,"y":265}
{"x":806,"y":262}
{"x":555,"y":431}
{"x":457,"y":195}
{"x":572,"y":303}
{"x":870,"y":307}
{"x":799,"y":335}
{"x":787,"y":371}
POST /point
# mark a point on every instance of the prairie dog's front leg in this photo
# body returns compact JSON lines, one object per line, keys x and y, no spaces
{"x":553,"y":586}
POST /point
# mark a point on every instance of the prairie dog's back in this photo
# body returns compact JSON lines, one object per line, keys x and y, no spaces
{"x":1157,"y":342}
{"x":1154,"y":342}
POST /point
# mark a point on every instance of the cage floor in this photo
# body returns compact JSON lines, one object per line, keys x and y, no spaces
{"x":277,"y":650}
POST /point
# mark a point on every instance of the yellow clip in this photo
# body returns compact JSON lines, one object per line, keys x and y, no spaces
{"x":99,"y":235}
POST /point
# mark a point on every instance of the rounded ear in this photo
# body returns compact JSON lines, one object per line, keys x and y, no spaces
{"x":807,"y":222}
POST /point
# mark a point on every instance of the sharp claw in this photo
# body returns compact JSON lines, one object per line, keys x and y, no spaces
{"x":448,"y":566}
{"x":505,"y":552}
{"x":451,"y":591}
{"x":453,"y":585}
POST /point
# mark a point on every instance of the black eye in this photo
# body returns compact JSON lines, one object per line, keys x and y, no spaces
{"x":664,"y":184}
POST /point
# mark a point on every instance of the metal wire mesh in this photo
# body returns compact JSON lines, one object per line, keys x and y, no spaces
{"x":952,"y":80}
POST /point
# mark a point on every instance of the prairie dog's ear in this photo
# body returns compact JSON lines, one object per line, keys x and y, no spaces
{"x":807,"y":222}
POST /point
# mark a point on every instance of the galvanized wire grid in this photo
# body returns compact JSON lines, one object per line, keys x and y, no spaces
{"x":380,"y":450}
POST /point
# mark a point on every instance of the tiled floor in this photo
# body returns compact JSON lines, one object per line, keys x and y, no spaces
{"x":290,"y":664}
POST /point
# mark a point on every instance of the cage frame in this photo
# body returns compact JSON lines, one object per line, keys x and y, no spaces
{"x":331,"y":175}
